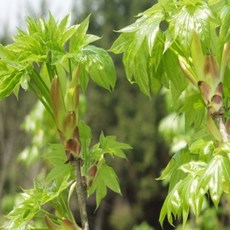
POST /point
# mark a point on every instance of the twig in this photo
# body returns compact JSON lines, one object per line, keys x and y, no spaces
{"x":219,"y":120}
{"x":81,"y":194}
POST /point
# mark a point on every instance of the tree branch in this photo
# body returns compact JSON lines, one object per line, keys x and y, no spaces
{"x":81,"y":193}
{"x":219,"y":120}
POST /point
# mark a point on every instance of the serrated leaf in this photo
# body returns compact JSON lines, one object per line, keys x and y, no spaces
{"x":122,"y":42}
{"x":204,"y":148}
{"x":58,"y":171}
{"x":194,"y":110}
{"x":33,"y":200}
{"x":110,"y":178}
{"x":78,"y":40}
{"x":213,"y":178}
{"x":179,"y":82}
{"x":137,"y":42}
{"x":56,"y":155}
{"x":109,"y":144}
{"x":177,"y":160}
{"x":184,"y":194}
{"x":193,"y":167}
{"x":189,"y":18}
{"x":99,"y":66}
{"x":105,"y":178}
{"x":135,"y":60}
{"x":225,"y":29}
{"x":85,"y":135}
{"x":8,"y":83}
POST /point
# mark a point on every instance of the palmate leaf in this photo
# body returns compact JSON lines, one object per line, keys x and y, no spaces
{"x":202,"y":178}
{"x":56,"y":157}
{"x":194,"y":110}
{"x":8,"y":83}
{"x":110,"y":145}
{"x":105,"y":178}
{"x":99,"y":65}
{"x":225,"y":28}
{"x":188,"y":18}
{"x":173,"y":72}
{"x":171,"y":170}
{"x":137,"y":42}
{"x":216,"y":178}
{"x":44,"y":45}
{"x":32,"y":202}
{"x":185,"y":193}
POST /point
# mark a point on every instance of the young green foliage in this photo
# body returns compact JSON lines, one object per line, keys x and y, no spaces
{"x":56,"y":61}
{"x":184,"y":46}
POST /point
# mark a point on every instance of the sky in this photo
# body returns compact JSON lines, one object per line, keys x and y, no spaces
{"x":13,"y":12}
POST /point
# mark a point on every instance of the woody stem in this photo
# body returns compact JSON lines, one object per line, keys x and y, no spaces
{"x":219,"y":120}
{"x":81,"y":194}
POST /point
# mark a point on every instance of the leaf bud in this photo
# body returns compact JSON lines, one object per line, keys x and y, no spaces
{"x":92,"y":171}
{"x":57,"y":102}
{"x":70,"y":123}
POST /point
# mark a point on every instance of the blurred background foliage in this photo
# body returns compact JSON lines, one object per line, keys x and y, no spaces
{"x":126,"y":113}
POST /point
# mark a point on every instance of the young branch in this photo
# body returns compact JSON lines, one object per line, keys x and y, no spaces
{"x":81,"y":194}
{"x":219,"y":120}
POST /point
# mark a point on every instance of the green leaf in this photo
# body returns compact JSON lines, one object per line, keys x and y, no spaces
{"x":109,"y":145}
{"x":85,"y":135}
{"x":171,"y":169}
{"x":225,"y":28}
{"x":105,"y":177}
{"x":56,"y":157}
{"x":78,"y":40}
{"x":188,"y":18}
{"x":138,"y":42}
{"x":184,"y":194}
{"x":216,"y":178}
{"x":99,"y":66}
{"x":33,"y":200}
{"x":194,"y":109}
{"x":8,"y":83}
{"x":174,"y":73}
{"x":204,"y":148}
{"x":122,"y":42}
{"x":197,"y":56}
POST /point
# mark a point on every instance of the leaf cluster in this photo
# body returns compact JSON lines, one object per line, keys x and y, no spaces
{"x":34,"y":204}
{"x":104,"y":177}
{"x":170,"y":45}
{"x":152,"y":44}
{"x":193,"y":173}
{"x":48,"y":49}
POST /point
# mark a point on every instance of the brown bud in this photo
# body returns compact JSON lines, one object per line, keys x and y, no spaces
{"x":73,"y":147}
{"x":69,"y":157}
{"x":92,"y":171}
{"x":205,"y":91}
{"x":76,"y":133}
{"x":210,"y":67}
{"x":219,"y":89}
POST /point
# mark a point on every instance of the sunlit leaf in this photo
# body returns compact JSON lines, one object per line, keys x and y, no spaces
{"x":215,"y":177}
{"x":105,"y":178}
{"x":99,"y":66}
{"x":109,"y":144}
